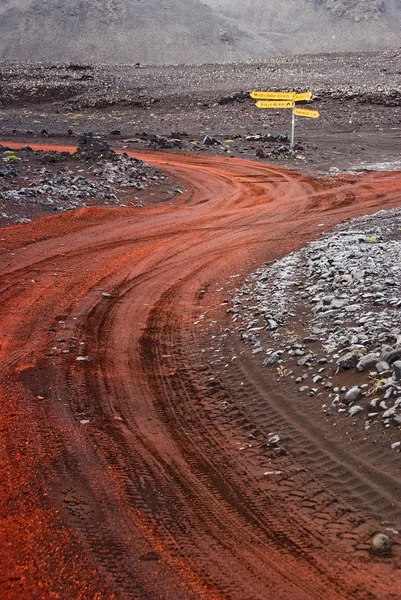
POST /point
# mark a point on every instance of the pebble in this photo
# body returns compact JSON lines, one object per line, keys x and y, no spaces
{"x":354,"y":410}
{"x":382,"y":366}
{"x":352,"y":395}
{"x":381,"y":545}
{"x":389,"y":413}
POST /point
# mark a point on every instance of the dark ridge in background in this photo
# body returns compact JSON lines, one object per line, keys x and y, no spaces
{"x":192,"y":31}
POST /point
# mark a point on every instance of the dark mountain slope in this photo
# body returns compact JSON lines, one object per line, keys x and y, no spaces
{"x":127,"y":31}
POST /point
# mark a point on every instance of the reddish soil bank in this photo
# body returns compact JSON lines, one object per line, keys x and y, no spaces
{"x":132,"y":473}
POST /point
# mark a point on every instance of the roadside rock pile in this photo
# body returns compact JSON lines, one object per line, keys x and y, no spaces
{"x":279,"y":151}
{"x":8,"y":170}
{"x":330,"y":314}
{"x":268,"y":137}
{"x":94,"y":148}
{"x":95,"y":175}
{"x":161,"y":142}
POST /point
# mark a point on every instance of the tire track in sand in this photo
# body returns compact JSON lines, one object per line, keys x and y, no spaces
{"x":153,"y":487}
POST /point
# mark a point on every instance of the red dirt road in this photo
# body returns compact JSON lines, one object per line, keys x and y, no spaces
{"x":121,"y":475}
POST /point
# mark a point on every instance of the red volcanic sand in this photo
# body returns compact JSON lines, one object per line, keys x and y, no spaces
{"x":151,"y":497}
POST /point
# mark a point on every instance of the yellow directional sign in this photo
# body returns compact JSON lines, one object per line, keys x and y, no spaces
{"x":303,"y":112}
{"x":272,"y":95}
{"x":278,"y":104}
{"x":304,"y":96}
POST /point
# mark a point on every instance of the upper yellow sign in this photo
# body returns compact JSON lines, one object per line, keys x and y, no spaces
{"x":304,"y":96}
{"x":278,"y":104}
{"x":303,"y":112}
{"x":272,"y":95}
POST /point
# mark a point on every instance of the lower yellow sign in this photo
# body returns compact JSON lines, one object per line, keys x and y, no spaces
{"x":279,"y":104}
{"x":304,"y":112}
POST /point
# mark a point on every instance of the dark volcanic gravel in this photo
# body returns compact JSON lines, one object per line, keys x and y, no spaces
{"x":358,"y":97}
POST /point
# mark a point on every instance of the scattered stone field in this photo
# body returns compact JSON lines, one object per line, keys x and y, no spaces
{"x":327,"y":319}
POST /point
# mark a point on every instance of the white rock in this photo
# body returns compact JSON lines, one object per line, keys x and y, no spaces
{"x":389,"y":413}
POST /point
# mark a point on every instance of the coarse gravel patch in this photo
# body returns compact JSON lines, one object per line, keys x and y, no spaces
{"x":37,"y":183}
{"x":327,"y":318}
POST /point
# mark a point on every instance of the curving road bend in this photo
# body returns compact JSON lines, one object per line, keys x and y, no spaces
{"x":121,"y":475}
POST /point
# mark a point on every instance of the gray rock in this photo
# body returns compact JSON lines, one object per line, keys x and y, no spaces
{"x":307,"y":358}
{"x":358,"y":274}
{"x":338,"y":303}
{"x":397,"y":370}
{"x":352,"y":395}
{"x":348,"y":360}
{"x":354,"y":410}
{"x":382,"y":366}
{"x":353,"y":308}
{"x":211,"y":141}
{"x":388,"y":393}
{"x":391,"y":355}
{"x":389,"y":413}
{"x":273,"y":359}
{"x":367,"y":362}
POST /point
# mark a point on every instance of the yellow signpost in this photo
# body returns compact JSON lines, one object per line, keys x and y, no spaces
{"x":267,"y":99}
{"x":272,"y":95}
{"x":304,"y":96}
{"x":303,"y":112}
{"x":277,"y":104}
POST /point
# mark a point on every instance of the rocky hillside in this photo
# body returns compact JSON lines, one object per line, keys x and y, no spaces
{"x":356,"y":10}
{"x":192,"y":31}
{"x":310,"y":26}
